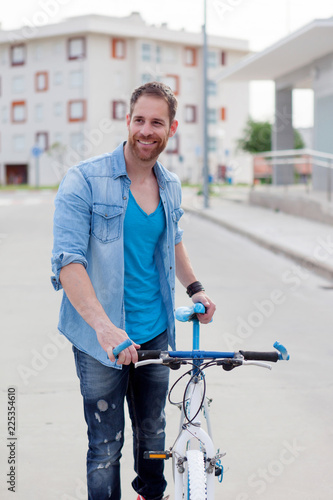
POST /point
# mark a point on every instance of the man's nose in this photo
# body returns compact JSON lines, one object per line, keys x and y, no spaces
{"x":146,"y":129}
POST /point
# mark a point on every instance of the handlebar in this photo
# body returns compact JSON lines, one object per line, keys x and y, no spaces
{"x":228,"y":360}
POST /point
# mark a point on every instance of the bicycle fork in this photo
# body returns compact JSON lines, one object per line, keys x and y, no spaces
{"x":192,"y":436}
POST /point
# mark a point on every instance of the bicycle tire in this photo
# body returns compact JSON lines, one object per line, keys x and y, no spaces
{"x":197,"y":488}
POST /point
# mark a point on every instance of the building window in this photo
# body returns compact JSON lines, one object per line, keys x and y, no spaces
{"x":118,"y":110}
{"x":211,"y":115}
{"x":190,"y":56}
{"x":212,"y":144}
{"x":212,"y":59}
{"x":158,"y":53}
{"x":146,"y":52}
{"x":145,"y":78}
{"x":57,"y":48}
{"x":3,"y":56}
{"x":58,"y":138}
{"x":18,"y":143}
{"x":58,"y":109}
{"x":19,"y":112}
{"x":211,"y":87}
{"x":4,"y":114}
{"x":18,"y":54}
{"x":58,"y":78}
{"x":118,"y":48}
{"x":39,"y":112}
{"x":76,"y":79}
{"x":42,"y":140}
{"x":38,"y":52}
{"x":188,"y":85}
{"x":190,"y":114}
{"x":223,"y":114}
{"x":173,"y":82}
{"x":76,"y":139}
{"x":119,"y":81}
{"x":223,"y":58}
{"x":169,"y":55}
{"x":18,"y":84}
{"x":41,"y":81}
{"x":76,"y":48}
{"x":77,"y":110}
{"x":173,"y":145}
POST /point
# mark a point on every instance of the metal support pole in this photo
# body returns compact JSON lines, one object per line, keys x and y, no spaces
{"x":329,"y":181}
{"x":37,"y":171}
{"x":205,"y":106}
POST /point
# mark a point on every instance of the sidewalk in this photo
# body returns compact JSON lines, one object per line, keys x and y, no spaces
{"x":308,"y":243}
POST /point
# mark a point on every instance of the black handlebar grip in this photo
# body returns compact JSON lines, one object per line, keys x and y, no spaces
{"x":260,"y":356}
{"x":148,"y":355}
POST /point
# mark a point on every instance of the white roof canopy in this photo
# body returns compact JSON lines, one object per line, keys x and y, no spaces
{"x":299,"y":49}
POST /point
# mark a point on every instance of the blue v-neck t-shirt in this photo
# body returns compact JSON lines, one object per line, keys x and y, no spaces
{"x":145,"y":312}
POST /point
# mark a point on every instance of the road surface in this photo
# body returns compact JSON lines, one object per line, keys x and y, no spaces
{"x":275,"y":426}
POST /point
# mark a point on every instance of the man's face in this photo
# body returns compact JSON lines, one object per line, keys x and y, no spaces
{"x":149,"y":128}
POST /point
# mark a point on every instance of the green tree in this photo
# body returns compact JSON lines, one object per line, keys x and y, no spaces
{"x":257,"y":137}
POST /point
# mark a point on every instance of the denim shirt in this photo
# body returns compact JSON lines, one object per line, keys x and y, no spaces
{"x":90,"y":208}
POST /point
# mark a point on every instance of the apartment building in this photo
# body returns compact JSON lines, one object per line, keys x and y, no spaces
{"x":65,"y":87}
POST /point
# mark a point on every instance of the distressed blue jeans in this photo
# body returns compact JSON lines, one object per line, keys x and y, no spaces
{"x":104,"y":390}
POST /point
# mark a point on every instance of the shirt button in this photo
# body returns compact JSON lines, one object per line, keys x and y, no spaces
{"x":124,"y":197}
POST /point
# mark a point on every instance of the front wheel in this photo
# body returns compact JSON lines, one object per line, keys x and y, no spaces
{"x":197,"y":487}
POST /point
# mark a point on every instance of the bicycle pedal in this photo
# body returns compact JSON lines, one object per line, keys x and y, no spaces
{"x":157,"y":455}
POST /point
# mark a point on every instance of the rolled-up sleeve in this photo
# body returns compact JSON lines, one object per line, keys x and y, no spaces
{"x":71,"y":225}
{"x":176,"y":215}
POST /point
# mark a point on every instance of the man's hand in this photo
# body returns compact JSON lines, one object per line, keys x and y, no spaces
{"x":209,"y":305}
{"x":109,"y":336}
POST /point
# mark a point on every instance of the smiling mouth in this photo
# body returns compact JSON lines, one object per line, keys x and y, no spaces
{"x":146,"y":143}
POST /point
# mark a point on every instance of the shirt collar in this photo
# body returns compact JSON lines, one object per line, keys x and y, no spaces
{"x":118,"y":161}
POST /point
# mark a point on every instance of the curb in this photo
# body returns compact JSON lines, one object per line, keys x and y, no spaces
{"x":311,"y":264}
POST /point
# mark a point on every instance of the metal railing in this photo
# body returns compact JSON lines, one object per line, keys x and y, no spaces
{"x":313,"y":169}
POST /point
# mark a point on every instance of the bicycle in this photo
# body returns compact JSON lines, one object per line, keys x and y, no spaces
{"x":195,"y":460}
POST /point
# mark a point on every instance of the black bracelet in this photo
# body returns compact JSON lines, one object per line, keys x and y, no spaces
{"x":194,"y":288}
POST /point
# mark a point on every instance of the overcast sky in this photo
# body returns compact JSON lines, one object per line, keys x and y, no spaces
{"x":261,"y":22}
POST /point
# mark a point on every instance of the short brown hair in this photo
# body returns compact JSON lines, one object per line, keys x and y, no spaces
{"x":157,"y":89}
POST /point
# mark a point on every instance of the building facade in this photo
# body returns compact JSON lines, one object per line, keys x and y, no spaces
{"x":65,"y":88}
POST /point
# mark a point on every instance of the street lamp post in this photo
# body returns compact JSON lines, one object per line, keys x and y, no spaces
{"x":205,"y":108}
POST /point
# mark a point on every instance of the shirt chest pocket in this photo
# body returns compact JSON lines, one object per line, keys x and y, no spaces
{"x":106,"y":222}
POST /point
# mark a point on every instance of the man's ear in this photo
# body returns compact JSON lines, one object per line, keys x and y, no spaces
{"x":128,"y":119}
{"x":173,"y":128}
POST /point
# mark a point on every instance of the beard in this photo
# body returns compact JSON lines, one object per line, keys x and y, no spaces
{"x":148,"y":153}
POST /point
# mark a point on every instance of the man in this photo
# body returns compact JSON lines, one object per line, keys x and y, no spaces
{"x":117,"y":248}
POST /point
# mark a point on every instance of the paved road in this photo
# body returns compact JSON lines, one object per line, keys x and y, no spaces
{"x":276,"y":427}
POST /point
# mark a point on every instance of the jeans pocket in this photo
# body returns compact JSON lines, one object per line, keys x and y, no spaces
{"x":106,"y":222}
